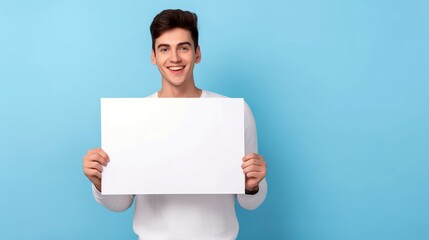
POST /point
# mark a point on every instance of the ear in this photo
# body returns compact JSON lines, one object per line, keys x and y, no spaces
{"x":198,"y":55}
{"x":152,"y":58}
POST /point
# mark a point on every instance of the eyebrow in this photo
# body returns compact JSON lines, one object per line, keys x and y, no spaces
{"x":184,"y":43}
{"x":179,"y":44}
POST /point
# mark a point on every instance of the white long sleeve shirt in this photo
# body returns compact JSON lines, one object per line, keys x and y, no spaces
{"x":210,"y":216}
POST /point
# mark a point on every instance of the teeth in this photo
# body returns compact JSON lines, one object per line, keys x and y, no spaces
{"x":175,"y":68}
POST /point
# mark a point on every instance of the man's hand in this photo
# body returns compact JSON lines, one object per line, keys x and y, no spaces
{"x":255,"y":169}
{"x":93,"y":163}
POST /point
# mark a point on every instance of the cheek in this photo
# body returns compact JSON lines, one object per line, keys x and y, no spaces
{"x":158,"y":62}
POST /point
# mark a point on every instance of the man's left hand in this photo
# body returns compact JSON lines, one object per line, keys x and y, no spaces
{"x":255,"y":169}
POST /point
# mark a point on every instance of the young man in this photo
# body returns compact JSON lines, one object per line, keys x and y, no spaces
{"x":175,"y":51}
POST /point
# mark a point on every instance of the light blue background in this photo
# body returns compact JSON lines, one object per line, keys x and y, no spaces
{"x":339,"y":90}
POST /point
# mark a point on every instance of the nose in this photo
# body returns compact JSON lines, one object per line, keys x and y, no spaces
{"x":175,"y":56}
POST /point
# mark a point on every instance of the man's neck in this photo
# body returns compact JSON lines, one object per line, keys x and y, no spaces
{"x":178,"y":92}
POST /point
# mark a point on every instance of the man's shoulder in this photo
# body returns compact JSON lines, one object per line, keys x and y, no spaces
{"x":154,"y":95}
{"x":208,"y":94}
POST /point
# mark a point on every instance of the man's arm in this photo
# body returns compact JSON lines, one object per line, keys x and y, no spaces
{"x":251,"y":202}
{"x":254,"y":166}
{"x":116,"y":203}
{"x":93,"y":163}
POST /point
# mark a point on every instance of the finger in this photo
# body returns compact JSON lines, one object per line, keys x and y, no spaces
{"x":255,"y":169}
{"x":255,"y":175}
{"x":250,"y":156}
{"x":95,"y":157}
{"x":103,"y":154}
{"x":258,"y":162}
{"x":95,"y":165}
{"x":89,"y":159}
{"x":91,"y":173}
{"x":252,"y":168}
{"x":100,"y":152}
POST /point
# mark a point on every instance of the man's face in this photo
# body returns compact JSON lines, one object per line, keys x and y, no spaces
{"x":175,"y":56}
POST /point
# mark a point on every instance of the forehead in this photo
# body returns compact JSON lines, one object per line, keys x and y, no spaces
{"x":174,"y":36}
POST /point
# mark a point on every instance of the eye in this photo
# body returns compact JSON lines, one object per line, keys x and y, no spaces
{"x":184,"y":49}
{"x":163,"y":50}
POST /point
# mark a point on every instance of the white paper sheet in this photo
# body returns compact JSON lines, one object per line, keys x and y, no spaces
{"x":173,"y":145}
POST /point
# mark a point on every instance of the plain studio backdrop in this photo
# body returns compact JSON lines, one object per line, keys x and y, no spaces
{"x":339,"y":90}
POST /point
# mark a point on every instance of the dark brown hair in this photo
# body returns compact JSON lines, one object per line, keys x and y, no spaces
{"x":174,"y":18}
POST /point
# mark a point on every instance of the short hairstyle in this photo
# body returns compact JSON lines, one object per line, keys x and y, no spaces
{"x":174,"y":18}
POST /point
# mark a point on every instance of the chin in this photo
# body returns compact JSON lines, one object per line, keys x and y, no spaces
{"x":177,"y":84}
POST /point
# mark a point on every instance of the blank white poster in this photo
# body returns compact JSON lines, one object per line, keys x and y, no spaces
{"x":173,"y":145}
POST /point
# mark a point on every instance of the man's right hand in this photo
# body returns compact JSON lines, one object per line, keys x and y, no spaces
{"x":93,"y":163}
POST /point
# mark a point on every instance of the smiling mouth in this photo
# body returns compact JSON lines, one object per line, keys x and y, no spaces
{"x":176,"y":68}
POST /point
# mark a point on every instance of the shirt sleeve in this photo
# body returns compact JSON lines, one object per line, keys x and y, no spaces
{"x":246,"y":201}
{"x":116,"y":203}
